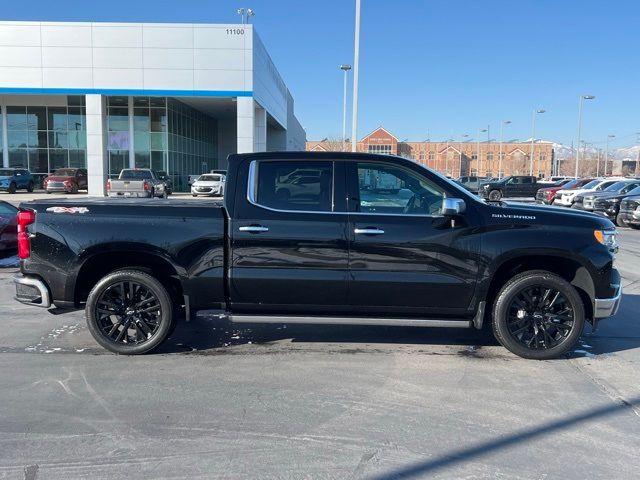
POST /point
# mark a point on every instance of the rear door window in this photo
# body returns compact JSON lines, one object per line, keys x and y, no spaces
{"x":292,"y":185}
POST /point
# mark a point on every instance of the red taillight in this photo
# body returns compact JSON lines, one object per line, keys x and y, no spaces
{"x":146,"y":185}
{"x":108,"y":185}
{"x":25,"y":218}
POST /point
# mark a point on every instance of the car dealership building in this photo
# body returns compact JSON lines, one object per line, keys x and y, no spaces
{"x":107,"y":96}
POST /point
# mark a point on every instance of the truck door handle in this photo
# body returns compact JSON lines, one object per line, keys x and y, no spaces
{"x":254,"y":229}
{"x":368,"y":231}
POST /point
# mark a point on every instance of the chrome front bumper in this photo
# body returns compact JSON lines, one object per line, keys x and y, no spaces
{"x":31,"y":291}
{"x":607,"y":307}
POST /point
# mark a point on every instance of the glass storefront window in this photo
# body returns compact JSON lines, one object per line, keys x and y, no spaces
{"x":76,"y":119}
{"x":141,"y":141}
{"x":58,"y":140}
{"x":16,"y":118}
{"x":118,"y":141}
{"x":18,"y":158}
{"x":37,"y":118}
{"x":158,"y":161}
{"x":141,"y":119}
{"x":57,"y":118}
{"x":77,"y":159}
{"x":118,"y":159}
{"x":17,"y":139}
{"x":77,"y":140}
{"x":158,"y":141}
{"x":36,"y":139}
{"x":38,"y":160}
{"x":158,"y":120}
{"x":143,"y":160}
{"x":57,"y":159}
{"x":118,"y":119}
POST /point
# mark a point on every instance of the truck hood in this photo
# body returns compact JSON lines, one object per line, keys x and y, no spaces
{"x":547,"y":215}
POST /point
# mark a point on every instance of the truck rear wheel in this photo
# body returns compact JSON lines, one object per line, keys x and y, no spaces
{"x":129,"y":312}
{"x":538,"y":315}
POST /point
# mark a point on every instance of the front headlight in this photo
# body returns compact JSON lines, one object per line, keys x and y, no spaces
{"x":614,"y":200}
{"x":607,"y":238}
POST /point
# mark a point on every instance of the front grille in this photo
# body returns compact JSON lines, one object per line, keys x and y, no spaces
{"x":629,"y":204}
{"x":601,"y":204}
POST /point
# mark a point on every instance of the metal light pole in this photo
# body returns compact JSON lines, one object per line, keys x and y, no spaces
{"x":356,"y":61}
{"x":345,"y":68}
{"x":479,"y":155}
{"x":241,"y":13}
{"x":533,"y":138}
{"x":582,"y":97}
{"x":502,"y":124}
{"x":463,"y":137}
{"x":606,"y":153}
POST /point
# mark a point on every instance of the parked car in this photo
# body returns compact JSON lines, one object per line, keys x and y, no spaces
{"x":137,"y":182}
{"x":164,"y":177}
{"x":66,"y":180}
{"x":586,"y":201}
{"x":547,"y":195}
{"x":436,"y":257}
{"x":609,"y":205}
{"x":472,"y":182}
{"x":209,"y":184}
{"x":629,"y":212}
{"x":566,"y":198}
{"x":220,"y":172}
{"x":13,"y":179}
{"x":511,"y":186}
{"x":8,"y":229}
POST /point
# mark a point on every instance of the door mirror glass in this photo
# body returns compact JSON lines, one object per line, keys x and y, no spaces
{"x":453,"y":206}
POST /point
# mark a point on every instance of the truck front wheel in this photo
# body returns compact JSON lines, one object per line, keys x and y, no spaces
{"x":538,"y":315}
{"x":495,"y":195}
{"x":129,"y":312}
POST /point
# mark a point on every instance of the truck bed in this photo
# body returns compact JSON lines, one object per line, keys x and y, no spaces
{"x":74,"y":237}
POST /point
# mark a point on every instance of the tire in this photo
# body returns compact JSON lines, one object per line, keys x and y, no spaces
{"x":74,"y":189}
{"x":512,"y":330}
{"x":620,"y":221}
{"x":30,"y":187}
{"x":495,"y":195}
{"x":194,"y":195}
{"x":12,"y":188}
{"x":131,"y":319}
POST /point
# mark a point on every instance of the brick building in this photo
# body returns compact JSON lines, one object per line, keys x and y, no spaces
{"x":456,"y":158}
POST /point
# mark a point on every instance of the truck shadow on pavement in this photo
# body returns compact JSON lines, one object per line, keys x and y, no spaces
{"x":203,"y":334}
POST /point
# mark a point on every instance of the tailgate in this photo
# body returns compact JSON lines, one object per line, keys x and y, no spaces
{"x":127,"y":186}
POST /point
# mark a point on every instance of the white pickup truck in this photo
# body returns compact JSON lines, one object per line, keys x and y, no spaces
{"x":137,"y":182}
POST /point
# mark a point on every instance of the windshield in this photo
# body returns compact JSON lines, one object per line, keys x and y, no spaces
{"x":6,"y":172}
{"x":209,"y":178}
{"x":635,"y":191}
{"x":136,"y":175}
{"x":570,"y":184}
{"x":592,"y":184}
{"x":614,"y":187}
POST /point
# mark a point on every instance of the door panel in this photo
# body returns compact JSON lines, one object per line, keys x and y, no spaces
{"x":289,"y":261}
{"x":414,"y":264}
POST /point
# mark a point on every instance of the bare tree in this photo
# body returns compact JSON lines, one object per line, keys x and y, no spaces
{"x":334,"y":144}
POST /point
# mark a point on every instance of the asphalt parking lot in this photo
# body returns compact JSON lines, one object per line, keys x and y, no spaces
{"x":317,"y":401}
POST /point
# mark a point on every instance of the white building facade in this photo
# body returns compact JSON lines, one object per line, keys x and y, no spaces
{"x":106,"y":96}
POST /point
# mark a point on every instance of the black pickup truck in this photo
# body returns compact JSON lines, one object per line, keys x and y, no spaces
{"x":512,"y":186}
{"x":340,"y":247}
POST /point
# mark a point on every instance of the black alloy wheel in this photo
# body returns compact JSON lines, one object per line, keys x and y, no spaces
{"x":129,"y":312}
{"x":12,"y":188}
{"x":495,"y":195}
{"x":538,"y":315}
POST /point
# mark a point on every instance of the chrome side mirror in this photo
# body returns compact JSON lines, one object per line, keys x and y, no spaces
{"x":453,"y":206}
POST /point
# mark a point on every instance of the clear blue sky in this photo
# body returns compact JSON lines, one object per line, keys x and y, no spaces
{"x":436,"y":66}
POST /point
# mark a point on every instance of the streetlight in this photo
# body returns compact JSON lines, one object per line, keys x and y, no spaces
{"x":606,"y":153}
{"x":582,"y":97}
{"x":356,"y":61}
{"x":502,"y":124}
{"x":345,"y":68}
{"x":533,"y":137}
{"x":479,"y":156}
{"x":463,"y":137}
{"x":241,"y":13}
{"x":250,"y":13}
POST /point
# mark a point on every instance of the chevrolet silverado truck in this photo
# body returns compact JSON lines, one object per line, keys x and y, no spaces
{"x":137,"y":182}
{"x":512,"y":186}
{"x":426,"y":253}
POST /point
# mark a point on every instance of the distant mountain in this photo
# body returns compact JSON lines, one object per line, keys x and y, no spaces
{"x":628,"y":153}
